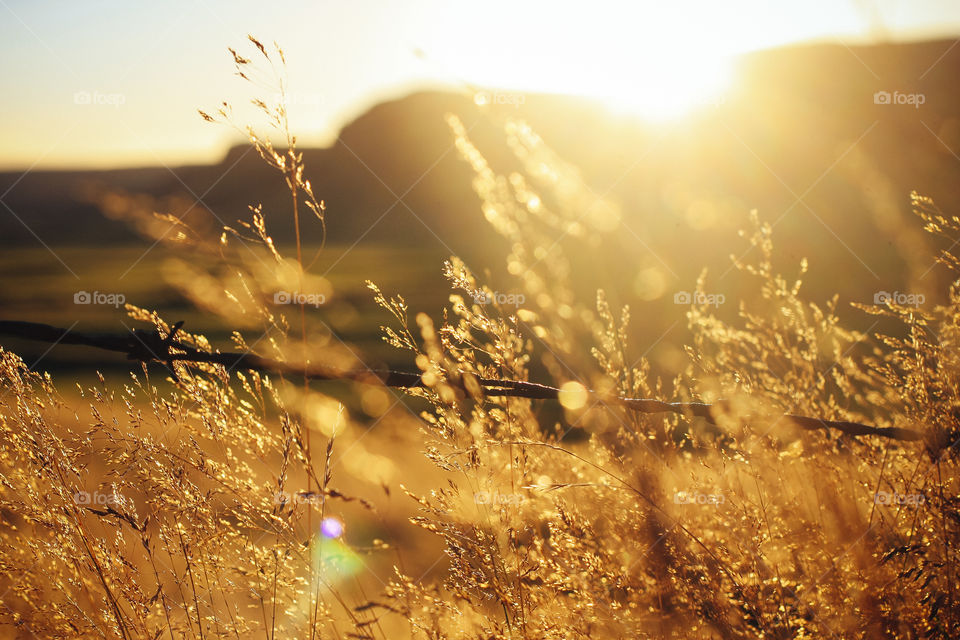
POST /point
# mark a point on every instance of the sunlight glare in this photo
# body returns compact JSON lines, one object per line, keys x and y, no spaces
{"x":673,"y":90}
{"x":652,"y":63}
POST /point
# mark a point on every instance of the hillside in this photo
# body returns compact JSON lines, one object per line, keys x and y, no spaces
{"x":836,"y":179}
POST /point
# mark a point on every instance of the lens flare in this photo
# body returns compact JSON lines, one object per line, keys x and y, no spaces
{"x":331,"y":527}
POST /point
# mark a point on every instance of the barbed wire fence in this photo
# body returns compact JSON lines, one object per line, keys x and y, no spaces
{"x":148,"y":346}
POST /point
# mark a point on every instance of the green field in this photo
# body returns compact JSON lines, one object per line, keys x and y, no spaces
{"x":39,"y":287}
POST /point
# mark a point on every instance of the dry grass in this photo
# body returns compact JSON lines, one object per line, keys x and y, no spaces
{"x":206,"y":501}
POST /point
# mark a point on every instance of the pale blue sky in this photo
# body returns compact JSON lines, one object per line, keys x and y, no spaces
{"x":146,"y":66}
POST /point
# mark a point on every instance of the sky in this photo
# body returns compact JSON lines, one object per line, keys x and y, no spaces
{"x":110,"y":83}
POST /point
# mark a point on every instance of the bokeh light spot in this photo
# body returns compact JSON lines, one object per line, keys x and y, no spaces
{"x":573,"y":395}
{"x":331,"y":527}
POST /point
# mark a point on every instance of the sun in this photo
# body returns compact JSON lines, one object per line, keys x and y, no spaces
{"x":672,"y":90}
{"x":656,"y":67}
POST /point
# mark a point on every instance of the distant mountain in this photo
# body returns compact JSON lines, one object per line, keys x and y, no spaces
{"x":801,"y":122}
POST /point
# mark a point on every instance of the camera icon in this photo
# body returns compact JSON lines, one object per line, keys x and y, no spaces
{"x":82,"y":97}
{"x":282,"y":297}
{"x":82,"y":297}
{"x":481,"y":497}
{"x":482,"y":298}
{"x":682,"y":297}
{"x":882,"y":297}
{"x":81,"y":497}
{"x":881,"y":97}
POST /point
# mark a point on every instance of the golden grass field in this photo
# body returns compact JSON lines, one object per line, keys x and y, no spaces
{"x":236,"y":504}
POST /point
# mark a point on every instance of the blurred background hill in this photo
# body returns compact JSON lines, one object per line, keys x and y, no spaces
{"x":800,"y":137}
